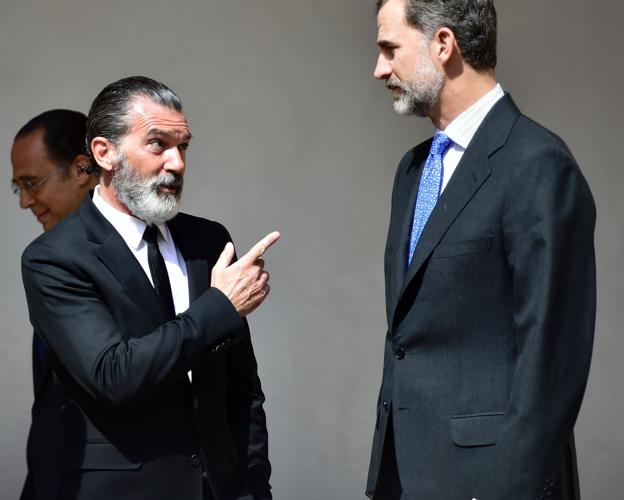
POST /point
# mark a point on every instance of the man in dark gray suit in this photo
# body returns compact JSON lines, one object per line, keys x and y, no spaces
{"x":490,"y":276}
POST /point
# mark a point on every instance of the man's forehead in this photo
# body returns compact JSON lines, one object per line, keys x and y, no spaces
{"x":32,"y":141}
{"x":391,"y":13}
{"x":29,"y":155}
{"x":146,"y":115}
{"x":391,"y":19}
{"x":392,"y":24}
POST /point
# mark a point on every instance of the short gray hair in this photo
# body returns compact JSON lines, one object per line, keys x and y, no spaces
{"x":472,"y":21}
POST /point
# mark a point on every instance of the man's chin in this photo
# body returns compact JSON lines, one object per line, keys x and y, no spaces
{"x":405,"y":108}
{"x":159,"y":218}
{"x":402,"y":108}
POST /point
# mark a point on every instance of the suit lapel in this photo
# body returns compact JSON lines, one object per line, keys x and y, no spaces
{"x":470,"y":174}
{"x":197,"y":268}
{"x":121,"y":262}
{"x":472,"y":170}
{"x":401,"y":225}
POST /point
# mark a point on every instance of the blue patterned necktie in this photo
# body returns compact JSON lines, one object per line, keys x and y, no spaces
{"x":428,"y":189}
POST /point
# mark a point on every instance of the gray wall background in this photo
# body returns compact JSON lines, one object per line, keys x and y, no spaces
{"x":292,"y":132}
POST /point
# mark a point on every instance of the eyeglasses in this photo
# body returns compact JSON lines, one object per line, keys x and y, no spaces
{"x":31,"y":186}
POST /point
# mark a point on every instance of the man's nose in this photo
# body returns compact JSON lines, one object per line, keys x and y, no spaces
{"x":383,"y":69}
{"x":175,"y":161}
{"x":26,"y":200}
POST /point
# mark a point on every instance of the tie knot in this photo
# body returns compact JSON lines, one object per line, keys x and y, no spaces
{"x":150,"y":234}
{"x":441,"y":143}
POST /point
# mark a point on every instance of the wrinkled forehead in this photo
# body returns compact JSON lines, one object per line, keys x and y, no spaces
{"x":145,"y":115}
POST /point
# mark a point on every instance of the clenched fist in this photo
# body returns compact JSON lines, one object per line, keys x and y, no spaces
{"x":245,"y":282}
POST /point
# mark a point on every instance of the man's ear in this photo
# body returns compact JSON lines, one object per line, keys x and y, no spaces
{"x":444,"y":45}
{"x":104,"y":153}
{"x":81,"y":166}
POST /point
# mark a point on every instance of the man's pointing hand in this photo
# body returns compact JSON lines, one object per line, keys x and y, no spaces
{"x":245,"y":282}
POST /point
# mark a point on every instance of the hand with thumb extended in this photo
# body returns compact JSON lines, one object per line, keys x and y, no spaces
{"x":225,"y":259}
{"x":244,"y":282}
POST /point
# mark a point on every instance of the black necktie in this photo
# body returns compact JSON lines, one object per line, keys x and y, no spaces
{"x":158,"y":270}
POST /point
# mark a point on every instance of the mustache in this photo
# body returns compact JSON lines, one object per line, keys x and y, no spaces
{"x":394,"y":84}
{"x":170,"y":180}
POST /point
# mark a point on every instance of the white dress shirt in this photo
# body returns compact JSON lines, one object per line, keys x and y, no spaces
{"x":463,"y":128}
{"x":131,"y":230}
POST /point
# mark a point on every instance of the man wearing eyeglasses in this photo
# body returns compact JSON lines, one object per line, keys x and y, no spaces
{"x":50,"y":169}
{"x":51,"y":177}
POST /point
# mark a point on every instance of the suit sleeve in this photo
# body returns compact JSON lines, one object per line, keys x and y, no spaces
{"x":248,"y":420}
{"x":246,"y":415}
{"x":548,"y":225}
{"x":73,"y":318}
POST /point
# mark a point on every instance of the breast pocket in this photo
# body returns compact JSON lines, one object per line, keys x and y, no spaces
{"x":476,"y":430}
{"x":459,"y":248}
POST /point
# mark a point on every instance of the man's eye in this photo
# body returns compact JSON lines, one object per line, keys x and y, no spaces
{"x":387,"y":50}
{"x":157,"y":144}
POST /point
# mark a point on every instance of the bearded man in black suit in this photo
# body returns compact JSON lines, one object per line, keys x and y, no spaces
{"x":490,"y":276}
{"x":143,"y":314}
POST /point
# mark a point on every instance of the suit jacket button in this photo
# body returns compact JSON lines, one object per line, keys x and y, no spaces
{"x":385,"y":405}
{"x":196,"y":402}
{"x":400,"y":353}
{"x":195,"y":460}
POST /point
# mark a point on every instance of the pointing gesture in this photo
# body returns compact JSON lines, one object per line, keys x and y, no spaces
{"x":257,"y":251}
{"x":245,"y":282}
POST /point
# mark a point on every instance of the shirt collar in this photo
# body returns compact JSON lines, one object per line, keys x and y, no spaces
{"x":463,"y":128}
{"x":129,"y":227}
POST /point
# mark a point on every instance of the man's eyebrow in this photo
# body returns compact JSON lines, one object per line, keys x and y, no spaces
{"x":25,"y":177}
{"x":167,"y":133}
{"x":386,"y":44}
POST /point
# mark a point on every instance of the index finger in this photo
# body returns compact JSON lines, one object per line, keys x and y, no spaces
{"x":262,"y":246}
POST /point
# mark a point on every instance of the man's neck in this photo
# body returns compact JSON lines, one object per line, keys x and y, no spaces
{"x":107,"y":192}
{"x":459,"y":94}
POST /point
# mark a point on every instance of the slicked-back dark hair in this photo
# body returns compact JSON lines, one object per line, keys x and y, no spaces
{"x":472,"y":21}
{"x":63,"y":134}
{"x":108,"y":116}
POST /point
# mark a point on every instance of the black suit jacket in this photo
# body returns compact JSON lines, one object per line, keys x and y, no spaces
{"x":132,"y":425}
{"x":490,"y":330}
{"x":43,"y":446}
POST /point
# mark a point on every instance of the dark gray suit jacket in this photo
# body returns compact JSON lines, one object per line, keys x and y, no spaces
{"x":490,"y":330}
{"x":132,"y":425}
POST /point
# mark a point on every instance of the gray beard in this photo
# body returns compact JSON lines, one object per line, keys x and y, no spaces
{"x":141,"y":195}
{"x":419,"y":94}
